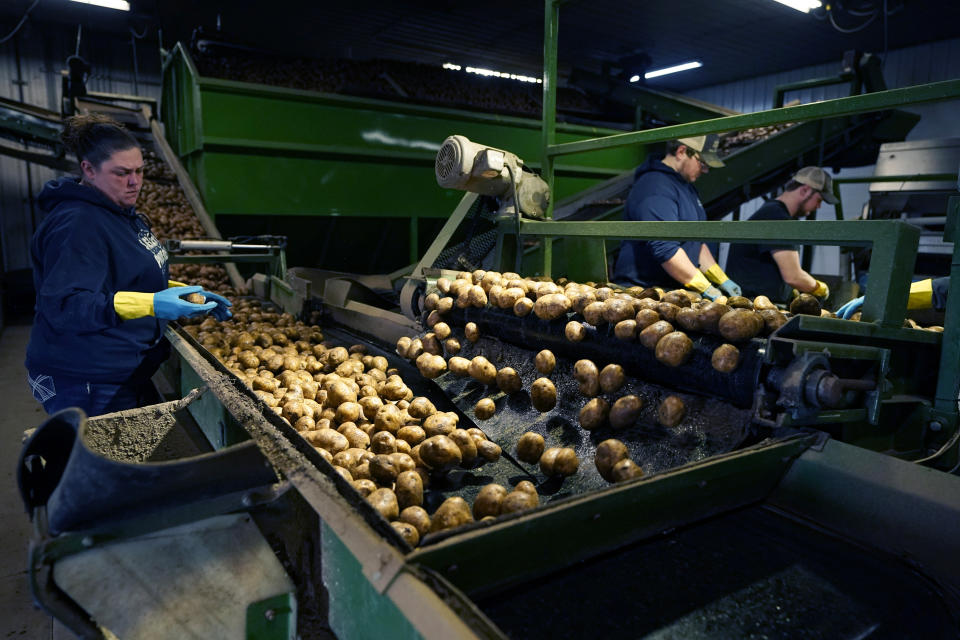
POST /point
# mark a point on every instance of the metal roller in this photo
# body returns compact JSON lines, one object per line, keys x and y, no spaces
{"x":602,"y":347}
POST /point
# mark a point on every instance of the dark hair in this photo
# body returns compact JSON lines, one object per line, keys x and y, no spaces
{"x":793,"y":185}
{"x":672,"y":146}
{"x":94,"y":137}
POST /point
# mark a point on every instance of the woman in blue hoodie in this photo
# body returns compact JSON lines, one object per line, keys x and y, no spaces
{"x":103,"y":294}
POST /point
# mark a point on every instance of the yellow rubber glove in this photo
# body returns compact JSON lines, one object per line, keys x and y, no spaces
{"x":921,"y":295}
{"x":699,"y":283}
{"x":174,"y":283}
{"x":822,"y":291}
{"x":715,"y":274}
{"x":133,"y":304}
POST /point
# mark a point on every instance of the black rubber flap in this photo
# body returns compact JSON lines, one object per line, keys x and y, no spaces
{"x":128,"y":464}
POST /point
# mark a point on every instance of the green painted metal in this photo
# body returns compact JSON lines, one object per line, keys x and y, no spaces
{"x":782,"y":89}
{"x":273,"y":619}
{"x":548,"y":120}
{"x":933,"y":92}
{"x":356,"y":609}
{"x":948,"y":382}
{"x":530,"y":545}
{"x":894,"y":247}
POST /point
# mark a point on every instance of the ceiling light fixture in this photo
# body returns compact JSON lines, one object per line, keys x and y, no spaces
{"x":120,"y":5}
{"x":668,"y":70}
{"x":802,"y":5}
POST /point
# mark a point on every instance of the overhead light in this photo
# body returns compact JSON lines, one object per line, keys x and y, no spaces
{"x":801,"y":5}
{"x":668,"y":70}
{"x":120,"y":5}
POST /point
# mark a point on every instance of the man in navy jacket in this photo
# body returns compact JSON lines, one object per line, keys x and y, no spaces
{"x":663,"y":191}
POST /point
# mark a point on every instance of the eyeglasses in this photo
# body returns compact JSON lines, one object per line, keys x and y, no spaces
{"x":703,"y":165}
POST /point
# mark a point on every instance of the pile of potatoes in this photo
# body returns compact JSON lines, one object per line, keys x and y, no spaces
{"x":354,"y":409}
{"x":171,"y":217}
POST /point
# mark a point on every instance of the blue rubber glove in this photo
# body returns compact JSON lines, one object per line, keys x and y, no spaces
{"x":730,"y":288}
{"x":222,"y":311}
{"x":711,"y":293}
{"x":168,"y":305}
{"x":846,"y":311}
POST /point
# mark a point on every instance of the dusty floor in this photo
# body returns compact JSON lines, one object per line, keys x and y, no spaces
{"x":20,"y":619}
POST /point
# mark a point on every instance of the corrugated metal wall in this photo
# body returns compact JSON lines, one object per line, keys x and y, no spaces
{"x":30,"y":65}
{"x":911,"y":66}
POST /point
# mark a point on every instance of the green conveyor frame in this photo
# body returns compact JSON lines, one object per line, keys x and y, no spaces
{"x":259,"y":150}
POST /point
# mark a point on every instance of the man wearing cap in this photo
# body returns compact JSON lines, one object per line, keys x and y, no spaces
{"x":663,"y":191}
{"x":774,"y":269}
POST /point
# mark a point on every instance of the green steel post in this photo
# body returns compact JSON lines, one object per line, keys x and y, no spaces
{"x":948,"y":382}
{"x":549,"y":120}
{"x":933,"y":92}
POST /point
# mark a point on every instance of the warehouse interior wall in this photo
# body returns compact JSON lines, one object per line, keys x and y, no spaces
{"x":30,"y":72}
{"x":905,"y":67}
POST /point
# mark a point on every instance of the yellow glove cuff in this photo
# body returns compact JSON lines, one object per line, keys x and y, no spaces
{"x":699,"y":283}
{"x":921,"y":295}
{"x":821,"y":291}
{"x":132,"y":304}
{"x":174,"y":283}
{"x":715,"y":274}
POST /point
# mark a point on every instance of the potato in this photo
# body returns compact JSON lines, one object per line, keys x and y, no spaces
{"x":645,"y":318}
{"x":545,"y":362}
{"x":508,"y":380}
{"x":440,"y":453}
{"x":671,"y":411}
{"x":305,"y":423}
{"x":444,"y":305}
{"x":488,"y":501}
{"x":674,"y":349}
{"x":625,"y":470}
{"x":477,"y":296}
{"x":559,"y":461}
{"x":594,"y":414}
{"x":676,"y":297}
{"x":484,"y":409}
{"x":453,"y":513}
{"x":773,"y":319}
{"x":761,"y":303}
{"x":440,"y":424}
{"x":586,"y":374}
{"x":739,"y":302}
{"x":805,"y":304}
{"x":441,"y":330}
{"x":625,"y":411}
{"x":530,"y":447}
{"x":292,"y":410}
{"x":580,"y":299}
{"x":430,"y":365}
{"x":339,"y":392}
{"x":409,"y":489}
{"x":725,"y":358}
{"x":471,"y":331}
{"x":411,"y":434}
{"x":609,"y":452}
{"x":688,"y":319}
{"x":523,"y":307}
{"x":616,"y":310}
{"x":355,"y":436}
{"x":459,"y":366}
{"x":385,"y":503}
{"x":421,"y":408}
{"x":349,"y":412}
{"x":482,"y":370}
{"x":518,"y":501}
{"x":451,"y":345}
{"x":407,"y":531}
{"x":344,"y":473}
{"x":527,"y":487}
{"x":327,"y":439}
{"x":468,"y":448}
{"x":543,"y":394}
{"x":626,"y":330}
{"x":388,"y":418}
{"x":383,"y":470}
{"x":668,"y":311}
{"x":709,"y":315}
{"x":611,"y":378}
{"x":443,"y":284}
{"x":383,"y":442}
{"x":739,"y":325}
{"x":489,"y":451}
{"x":593,"y":313}
{"x":418,"y":518}
{"x":364,"y":487}
{"x":551,"y":306}
{"x":650,"y":336}
{"x":574,"y":331}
